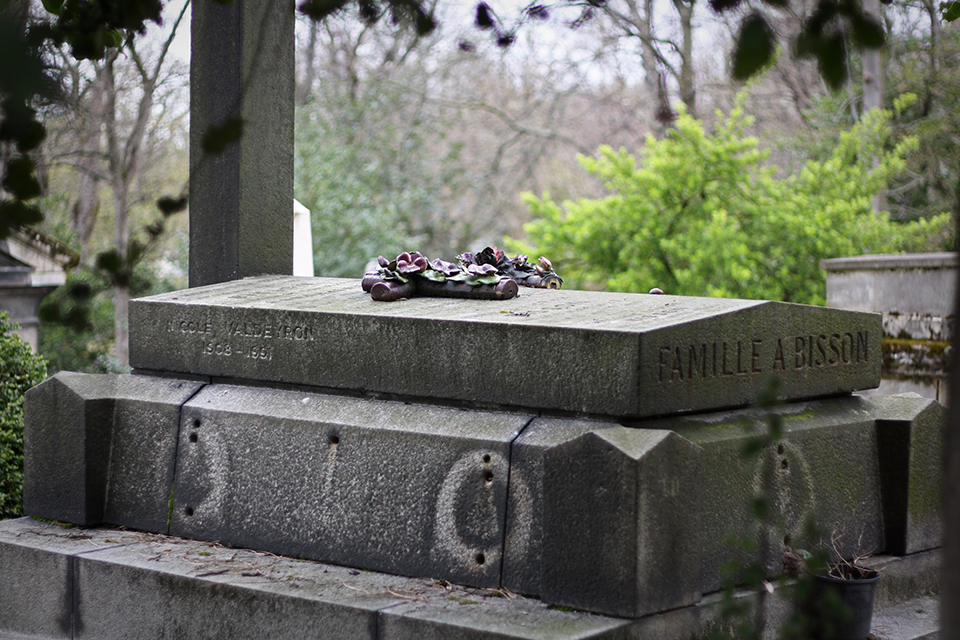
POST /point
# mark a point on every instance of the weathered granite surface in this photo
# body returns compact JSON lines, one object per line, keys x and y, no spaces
{"x":241,"y":66}
{"x":866,"y":468}
{"x":416,"y":490}
{"x":584,"y":513}
{"x":601,"y":353}
{"x":108,"y":583}
{"x":621,"y":522}
{"x":101,"y":448}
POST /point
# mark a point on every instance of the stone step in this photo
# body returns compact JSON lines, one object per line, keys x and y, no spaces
{"x":105,"y":583}
{"x":916,"y":619}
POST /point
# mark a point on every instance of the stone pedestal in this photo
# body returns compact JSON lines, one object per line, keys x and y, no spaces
{"x":579,"y":447}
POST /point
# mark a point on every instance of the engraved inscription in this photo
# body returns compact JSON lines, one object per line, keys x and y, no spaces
{"x":252,"y":351}
{"x":687,"y":362}
{"x":299,"y":332}
{"x":189,"y":326}
{"x":240,"y":338}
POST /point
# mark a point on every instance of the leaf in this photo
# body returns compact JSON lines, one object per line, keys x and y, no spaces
{"x":113,"y":38}
{"x":169,"y":205}
{"x":155,"y":229}
{"x":424,"y":22}
{"x":14,"y":213}
{"x":435,"y":276}
{"x":867,"y":31}
{"x":30,"y":135}
{"x":538,"y":12}
{"x":832,"y":60}
{"x":53,"y":6}
{"x":216,"y":139}
{"x":483,"y":19}
{"x":369,"y":11}
{"x":319,"y":9}
{"x":21,"y":180}
{"x":80,"y":291}
{"x":504,"y":40}
{"x":720,"y":6}
{"x":950,"y":11}
{"x":110,"y":261}
{"x":754,"y":47}
{"x":135,"y":251}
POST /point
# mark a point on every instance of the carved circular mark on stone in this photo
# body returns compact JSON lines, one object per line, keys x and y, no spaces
{"x":486,"y":458}
{"x":188,"y":511}
{"x":196,"y":423}
{"x":468,"y":521}
{"x":334,"y":439}
{"x":193,"y":437}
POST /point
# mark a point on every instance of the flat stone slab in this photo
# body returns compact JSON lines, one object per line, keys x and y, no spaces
{"x":603,"y":353}
{"x":110,"y":583}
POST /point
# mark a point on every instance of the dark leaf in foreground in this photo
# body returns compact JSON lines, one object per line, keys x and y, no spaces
{"x":14,"y":213}
{"x":320,"y":9}
{"x":169,"y":205}
{"x":832,"y":60}
{"x":867,"y":31}
{"x":21,"y":181}
{"x":754,"y":48}
{"x":217,"y":139}
{"x":719,"y":6}
{"x":483,"y":19}
{"x":950,"y":10}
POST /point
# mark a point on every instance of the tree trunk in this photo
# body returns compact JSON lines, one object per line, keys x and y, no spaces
{"x":872,"y":71}
{"x":83,"y":215}
{"x":688,"y":90}
{"x":305,"y":86}
{"x":653,"y":77}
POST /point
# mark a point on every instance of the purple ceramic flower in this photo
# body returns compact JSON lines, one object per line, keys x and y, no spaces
{"x":446,"y":268}
{"x":411,"y":262}
{"x":481,"y":269}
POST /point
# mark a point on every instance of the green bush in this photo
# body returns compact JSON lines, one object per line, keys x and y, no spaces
{"x":699,"y":213}
{"x":20,"y":369}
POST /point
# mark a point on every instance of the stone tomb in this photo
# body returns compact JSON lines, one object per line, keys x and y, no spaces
{"x":581,"y":447}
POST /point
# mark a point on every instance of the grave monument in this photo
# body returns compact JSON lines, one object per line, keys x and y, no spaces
{"x":579,"y":449}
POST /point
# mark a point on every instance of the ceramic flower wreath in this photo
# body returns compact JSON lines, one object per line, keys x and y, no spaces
{"x":489,"y":274}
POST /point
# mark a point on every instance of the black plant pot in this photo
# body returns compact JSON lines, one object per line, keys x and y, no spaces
{"x":843,"y":607}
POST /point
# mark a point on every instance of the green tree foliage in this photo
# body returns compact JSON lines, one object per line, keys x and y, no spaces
{"x":20,"y":369}
{"x":76,"y":331}
{"x":700,"y":214}
{"x":371,"y":182}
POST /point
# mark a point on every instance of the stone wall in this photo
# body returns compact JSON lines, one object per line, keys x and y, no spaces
{"x":914,"y":292}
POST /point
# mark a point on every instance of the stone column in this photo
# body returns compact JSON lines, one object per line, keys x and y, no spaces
{"x":241,"y":200}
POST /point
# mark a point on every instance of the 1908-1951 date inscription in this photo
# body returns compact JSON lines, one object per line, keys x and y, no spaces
{"x":756,"y":356}
{"x":254,"y":340}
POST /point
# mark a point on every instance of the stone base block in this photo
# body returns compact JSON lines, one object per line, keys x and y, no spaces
{"x":864,"y":468}
{"x":101,"y":448}
{"x":619,"y":519}
{"x":621,"y":525}
{"x":410,"y":489}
